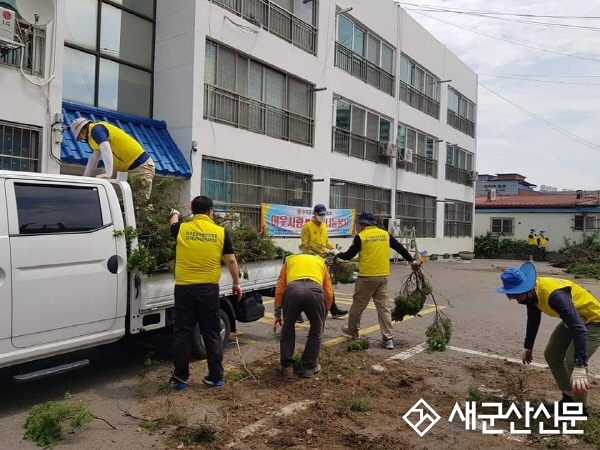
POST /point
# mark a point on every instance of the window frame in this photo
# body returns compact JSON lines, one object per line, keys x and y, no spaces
{"x":23,"y":127}
{"x":99,"y":54}
{"x":452,"y":220}
{"x":363,"y":197}
{"x":415,"y":213}
{"x":502,"y":227}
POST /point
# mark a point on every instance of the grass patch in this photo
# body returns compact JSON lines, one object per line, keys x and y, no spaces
{"x":151,"y":426}
{"x":235,"y":375}
{"x":475,"y":395}
{"x":197,"y":435}
{"x":45,"y":423}
{"x":357,"y":405}
{"x":348,"y":369}
{"x":358,"y":345}
{"x":591,"y":431}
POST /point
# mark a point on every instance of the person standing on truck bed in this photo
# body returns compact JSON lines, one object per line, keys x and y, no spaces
{"x":315,"y":239}
{"x":201,"y":244}
{"x":116,"y":148}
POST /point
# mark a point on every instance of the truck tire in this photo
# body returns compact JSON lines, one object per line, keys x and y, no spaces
{"x":198,"y":350}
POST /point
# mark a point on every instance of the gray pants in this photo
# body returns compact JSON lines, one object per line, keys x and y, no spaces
{"x":302,"y":296}
{"x":559,"y":355}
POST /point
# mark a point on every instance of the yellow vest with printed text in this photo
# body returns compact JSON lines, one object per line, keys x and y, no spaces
{"x":305,"y":267}
{"x":585,"y":303}
{"x":199,"y":251}
{"x":374,"y":255}
{"x":125,"y":149}
{"x":542,"y":239}
{"x":314,"y":237}
{"x":532,"y":239}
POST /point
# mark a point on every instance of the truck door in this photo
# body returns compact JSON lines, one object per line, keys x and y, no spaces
{"x":5,"y":278}
{"x":62,"y":247}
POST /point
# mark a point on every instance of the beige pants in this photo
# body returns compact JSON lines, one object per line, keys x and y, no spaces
{"x":146,"y":173}
{"x":366,"y":288}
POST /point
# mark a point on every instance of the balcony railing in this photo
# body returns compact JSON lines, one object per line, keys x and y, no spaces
{"x":420,"y":165}
{"x":275,"y":20}
{"x":460,"y":176}
{"x":241,"y":112}
{"x":419,"y":100}
{"x":461,"y":124}
{"x":358,"y":146}
{"x":33,"y":59}
{"x":361,"y":68}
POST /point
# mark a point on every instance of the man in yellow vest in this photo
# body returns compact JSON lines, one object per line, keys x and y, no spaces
{"x":542,"y":242}
{"x":373,"y":244}
{"x":117,"y":149}
{"x":201,"y":245}
{"x":576,"y":337}
{"x":315,"y":240}
{"x":303,"y":285}
{"x":533,"y":245}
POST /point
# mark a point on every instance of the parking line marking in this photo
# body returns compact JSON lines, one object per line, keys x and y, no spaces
{"x":410,"y":352}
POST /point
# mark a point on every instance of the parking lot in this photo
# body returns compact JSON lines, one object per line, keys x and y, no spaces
{"x":488,"y":330}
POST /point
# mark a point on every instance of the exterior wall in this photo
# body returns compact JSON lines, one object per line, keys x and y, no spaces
{"x":557,"y":225}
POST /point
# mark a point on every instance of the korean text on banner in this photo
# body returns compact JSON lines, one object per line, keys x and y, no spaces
{"x":283,"y":220}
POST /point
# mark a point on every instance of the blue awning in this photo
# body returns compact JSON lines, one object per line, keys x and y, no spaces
{"x":152,"y":134}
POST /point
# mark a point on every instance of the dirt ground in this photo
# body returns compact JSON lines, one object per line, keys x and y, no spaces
{"x":358,"y":401}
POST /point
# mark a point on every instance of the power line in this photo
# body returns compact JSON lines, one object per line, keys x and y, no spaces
{"x":534,"y":45}
{"x":547,"y":122}
{"x":498,"y":13}
{"x":541,"y":81}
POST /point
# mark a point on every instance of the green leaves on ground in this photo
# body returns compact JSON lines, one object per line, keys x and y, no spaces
{"x":45,"y":423}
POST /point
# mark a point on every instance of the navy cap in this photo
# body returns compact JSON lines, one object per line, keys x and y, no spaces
{"x":320,"y":209}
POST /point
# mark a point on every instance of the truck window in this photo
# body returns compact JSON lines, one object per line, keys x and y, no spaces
{"x":44,"y":209}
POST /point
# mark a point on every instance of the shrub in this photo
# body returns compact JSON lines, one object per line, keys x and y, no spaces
{"x":490,"y":246}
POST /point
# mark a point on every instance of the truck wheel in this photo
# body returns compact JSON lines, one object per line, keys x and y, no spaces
{"x":198,"y":350}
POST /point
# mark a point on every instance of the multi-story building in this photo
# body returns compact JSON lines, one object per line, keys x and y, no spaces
{"x":350,"y":103}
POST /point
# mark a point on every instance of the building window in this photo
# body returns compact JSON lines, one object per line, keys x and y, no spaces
{"x":292,"y":21}
{"x":458,"y":219}
{"x":109,"y":54}
{"x":364,"y":55}
{"x":586,"y":223}
{"x":35,"y":48}
{"x":418,"y":211}
{"x":361,"y":197}
{"x":424,"y":149}
{"x":19,"y":147}
{"x":246,"y":94}
{"x":243,"y":187}
{"x":502,"y":226}
{"x":360,"y":133}
{"x":419,"y":88}
{"x":44,"y":209}
{"x":461,"y":113}
{"x":459,"y":165}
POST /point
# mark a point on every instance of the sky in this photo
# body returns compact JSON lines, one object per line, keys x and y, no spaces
{"x":567,"y":95}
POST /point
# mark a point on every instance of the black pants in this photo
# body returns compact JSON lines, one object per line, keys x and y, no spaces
{"x":533,"y":251}
{"x":542,"y":251}
{"x":307,"y":297}
{"x":197,"y":303}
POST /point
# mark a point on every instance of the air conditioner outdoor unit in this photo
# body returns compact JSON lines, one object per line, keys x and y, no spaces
{"x":387,"y":148}
{"x":472,"y":175}
{"x":408,"y":155}
{"x":491,"y":195}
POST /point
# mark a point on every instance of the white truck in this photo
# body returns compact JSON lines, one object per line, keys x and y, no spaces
{"x":64,"y":283}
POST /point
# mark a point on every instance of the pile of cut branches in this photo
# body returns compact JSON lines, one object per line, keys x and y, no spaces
{"x":340,"y":271}
{"x":409,"y":301}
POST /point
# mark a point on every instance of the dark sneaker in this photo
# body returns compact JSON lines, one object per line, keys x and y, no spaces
{"x":178,"y":384}
{"x":287,"y":372}
{"x":346,"y":330}
{"x":338,"y":312}
{"x":300,"y":319}
{"x":309,"y":373}
{"x":215,"y":384}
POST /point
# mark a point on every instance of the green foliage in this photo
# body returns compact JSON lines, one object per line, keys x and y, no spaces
{"x":358,"y":405}
{"x":580,"y":258}
{"x":439,"y":332}
{"x":412,"y":296}
{"x":358,"y":345}
{"x":44,"y":424}
{"x":490,"y":246}
{"x":341,"y":272}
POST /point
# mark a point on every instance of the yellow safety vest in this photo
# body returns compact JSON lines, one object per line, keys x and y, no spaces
{"x":585,"y":303}
{"x":374,"y":256}
{"x":125,"y":149}
{"x":199,"y":252}
{"x":305,"y":267}
{"x":532,"y":239}
{"x":542,"y":239}
{"x":314,"y":237}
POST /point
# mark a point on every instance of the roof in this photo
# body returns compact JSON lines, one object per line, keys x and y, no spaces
{"x":151,"y":134}
{"x":536,"y":201}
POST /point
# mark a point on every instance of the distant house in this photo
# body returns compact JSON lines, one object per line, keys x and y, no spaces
{"x":562,"y":215}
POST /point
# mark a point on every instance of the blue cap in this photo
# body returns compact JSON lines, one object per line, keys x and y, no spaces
{"x":366,"y":218}
{"x":320,"y":209}
{"x":518,"y":281}
{"x":532,"y":230}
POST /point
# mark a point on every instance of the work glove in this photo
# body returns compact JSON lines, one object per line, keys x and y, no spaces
{"x":334,"y":251}
{"x":579,"y":380}
{"x":527,"y":356}
{"x":174,"y":211}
